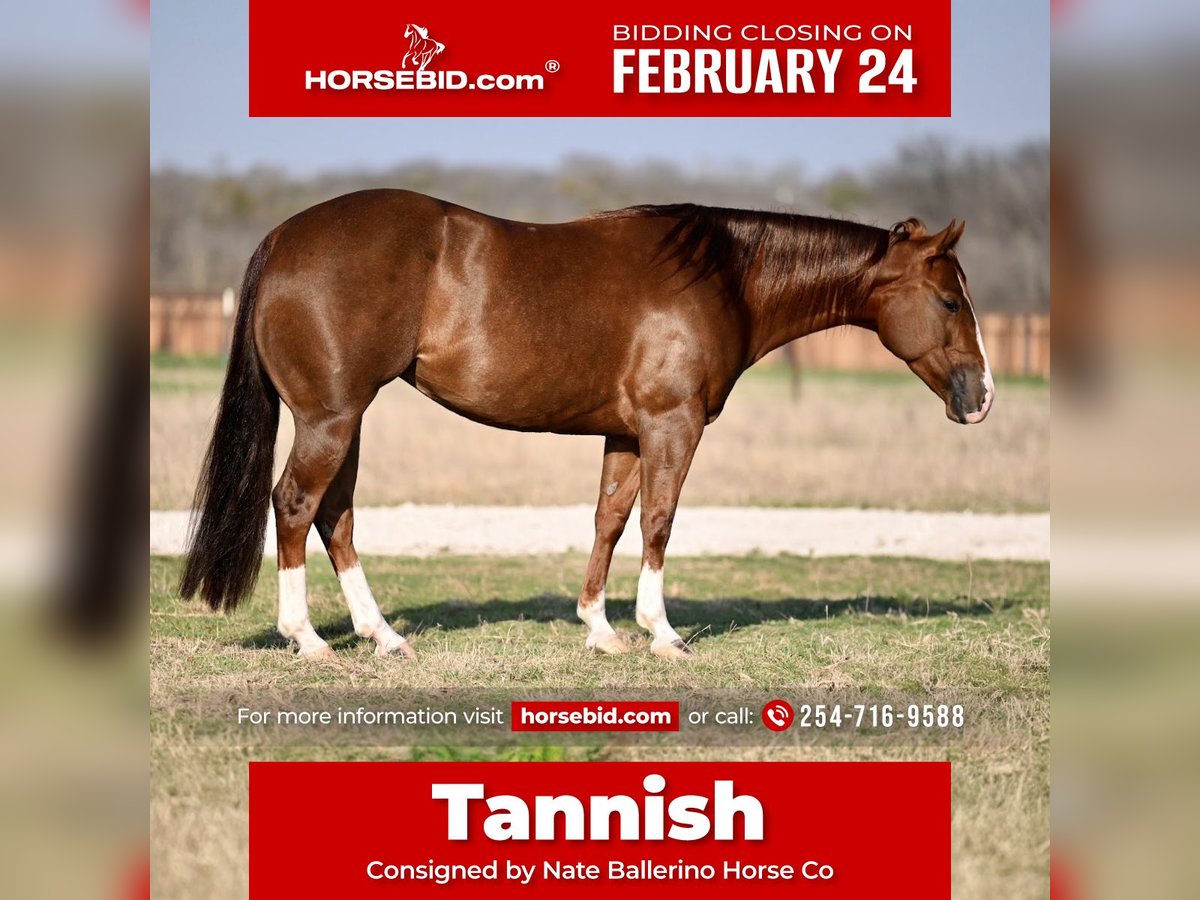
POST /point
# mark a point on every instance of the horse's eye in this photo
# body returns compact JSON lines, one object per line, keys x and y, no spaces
{"x":951,"y":304}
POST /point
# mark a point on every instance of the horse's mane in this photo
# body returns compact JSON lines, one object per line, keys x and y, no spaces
{"x":809,"y":263}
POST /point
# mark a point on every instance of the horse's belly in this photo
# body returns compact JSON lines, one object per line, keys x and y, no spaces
{"x":523,"y":401}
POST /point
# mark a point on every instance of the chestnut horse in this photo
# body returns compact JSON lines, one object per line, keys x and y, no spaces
{"x":633,"y":325}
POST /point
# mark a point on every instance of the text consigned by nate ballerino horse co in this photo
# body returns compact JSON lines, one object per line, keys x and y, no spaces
{"x":597,"y":824}
{"x":688,"y":817}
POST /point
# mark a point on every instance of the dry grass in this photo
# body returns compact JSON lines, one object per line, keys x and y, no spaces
{"x":873,"y":441}
{"x":804,"y":629}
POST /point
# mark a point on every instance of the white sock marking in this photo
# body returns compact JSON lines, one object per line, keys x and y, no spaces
{"x":651,"y":608}
{"x":293,"y":611}
{"x":594,"y":617}
{"x":364,"y":611}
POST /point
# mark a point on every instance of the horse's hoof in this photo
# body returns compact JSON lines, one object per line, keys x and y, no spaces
{"x":675,"y":649}
{"x":610,"y":644}
{"x":322,"y":652}
{"x":401,"y":648}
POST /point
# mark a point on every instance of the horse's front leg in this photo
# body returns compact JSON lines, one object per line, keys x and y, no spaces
{"x":618,"y":489}
{"x":668,"y":442}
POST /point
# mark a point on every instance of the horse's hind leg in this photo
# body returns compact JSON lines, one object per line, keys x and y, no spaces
{"x":618,"y":489}
{"x":335,"y":524}
{"x":317,"y":456}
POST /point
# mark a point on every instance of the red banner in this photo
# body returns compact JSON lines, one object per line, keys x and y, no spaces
{"x":839,"y":830}
{"x":701,"y":58}
{"x":595,"y":715}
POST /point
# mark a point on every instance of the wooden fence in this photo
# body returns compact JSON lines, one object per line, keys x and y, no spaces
{"x":1016,"y":344}
{"x":191,"y":326}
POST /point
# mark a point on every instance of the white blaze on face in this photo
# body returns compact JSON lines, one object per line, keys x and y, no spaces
{"x":293,"y":612}
{"x":989,"y":385}
{"x":364,"y":611}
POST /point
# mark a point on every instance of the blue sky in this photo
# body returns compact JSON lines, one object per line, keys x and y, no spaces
{"x":1001,"y":71}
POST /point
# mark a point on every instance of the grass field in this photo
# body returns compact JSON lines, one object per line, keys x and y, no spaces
{"x":886,"y":629}
{"x":852,"y":440}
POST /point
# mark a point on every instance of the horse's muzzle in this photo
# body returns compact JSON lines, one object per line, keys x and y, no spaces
{"x":970,"y":396}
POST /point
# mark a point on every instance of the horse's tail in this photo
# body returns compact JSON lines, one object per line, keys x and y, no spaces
{"x":225,"y":544}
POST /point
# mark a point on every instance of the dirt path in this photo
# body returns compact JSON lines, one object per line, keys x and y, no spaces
{"x":414,"y":530}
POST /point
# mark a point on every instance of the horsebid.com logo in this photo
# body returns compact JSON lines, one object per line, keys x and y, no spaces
{"x":421,"y":47}
{"x":414,"y":73}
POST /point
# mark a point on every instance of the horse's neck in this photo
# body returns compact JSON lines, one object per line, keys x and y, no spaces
{"x":816,"y":299}
{"x":775,"y":322}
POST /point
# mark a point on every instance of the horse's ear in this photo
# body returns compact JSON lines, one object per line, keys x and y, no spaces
{"x":949,"y":236}
{"x":910,"y":229}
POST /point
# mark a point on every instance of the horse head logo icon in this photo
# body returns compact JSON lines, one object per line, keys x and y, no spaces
{"x":421,"y":47}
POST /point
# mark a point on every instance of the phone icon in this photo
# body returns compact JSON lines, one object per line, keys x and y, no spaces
{"x":777,"y":715}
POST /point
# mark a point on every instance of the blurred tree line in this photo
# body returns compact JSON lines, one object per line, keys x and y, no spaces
{"x":204,"y":226}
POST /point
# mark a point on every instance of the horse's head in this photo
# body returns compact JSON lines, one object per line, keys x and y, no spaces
{"x":411,"y":30}
{"x":924,"y":316}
